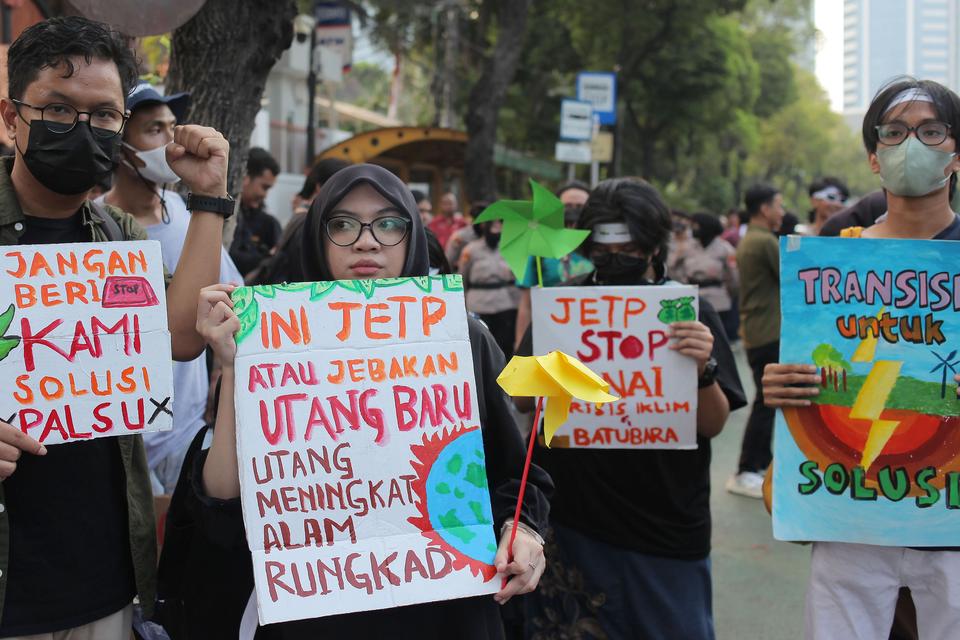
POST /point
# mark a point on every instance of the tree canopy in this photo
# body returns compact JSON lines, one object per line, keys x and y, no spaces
{"x":711,"y":96}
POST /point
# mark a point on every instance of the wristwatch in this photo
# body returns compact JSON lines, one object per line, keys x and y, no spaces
{"x":709,"y":375}
{"x":224,"y":206}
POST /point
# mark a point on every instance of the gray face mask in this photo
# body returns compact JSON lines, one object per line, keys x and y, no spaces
{"x":912,"y":169}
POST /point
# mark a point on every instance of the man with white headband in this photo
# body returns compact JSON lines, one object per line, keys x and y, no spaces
{"x":140,"y":186}
{"x":827,"y":197}
{"x":909,"y":132}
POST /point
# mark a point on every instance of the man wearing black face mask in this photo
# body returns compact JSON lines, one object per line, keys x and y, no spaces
{"x":491,"y":291}
{"x":77,"y":533}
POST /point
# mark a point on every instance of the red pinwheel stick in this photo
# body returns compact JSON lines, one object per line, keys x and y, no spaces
{"x":526,"y":472}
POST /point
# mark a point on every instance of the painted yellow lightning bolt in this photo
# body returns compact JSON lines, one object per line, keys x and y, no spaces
{"x":873,"y":397}
{"x":870,"y":403}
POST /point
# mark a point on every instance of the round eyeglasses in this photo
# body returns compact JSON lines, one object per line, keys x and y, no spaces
{"x":58,"y":117}
{"x":389,"y":231}
{"x":929,"y":133}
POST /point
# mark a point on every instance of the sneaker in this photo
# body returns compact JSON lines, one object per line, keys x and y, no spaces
{"x":746,"y":483}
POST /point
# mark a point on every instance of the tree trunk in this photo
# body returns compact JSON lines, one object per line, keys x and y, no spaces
{"x":487,"y":97}
{"x":222,"y":57}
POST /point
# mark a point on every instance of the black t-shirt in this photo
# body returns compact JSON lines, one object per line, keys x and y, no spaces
{"x":651,"y":501}
{"x":70,"y":561}
{"x":257,"y":234}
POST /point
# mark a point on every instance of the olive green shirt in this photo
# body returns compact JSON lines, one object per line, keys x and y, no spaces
{"x":140,"y":516}
{"x":758,"y":260}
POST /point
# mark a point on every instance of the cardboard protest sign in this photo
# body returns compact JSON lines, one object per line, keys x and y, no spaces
{"x":622,"y":334}
{"x":876,"y":458}
{"x":361,"y":458}
{"x":84,"y":345}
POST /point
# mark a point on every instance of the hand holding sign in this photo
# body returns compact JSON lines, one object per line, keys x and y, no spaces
{"x":217,"y":323}
{"x":694,"y":340}
{"x":199,"y":156}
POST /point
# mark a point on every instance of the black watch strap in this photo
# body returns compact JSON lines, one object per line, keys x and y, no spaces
{"x":224,"y":206}
{"x":709,"y":375}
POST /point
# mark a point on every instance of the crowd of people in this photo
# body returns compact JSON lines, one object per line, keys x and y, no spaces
{"x":595,"y":556}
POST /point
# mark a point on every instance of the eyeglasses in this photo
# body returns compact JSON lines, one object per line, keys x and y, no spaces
{"x":58,"y":117}
{"x":389,"y":231}
{"x":929,"y":133}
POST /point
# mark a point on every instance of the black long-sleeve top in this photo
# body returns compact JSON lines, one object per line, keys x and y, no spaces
{"x":206,"y":572}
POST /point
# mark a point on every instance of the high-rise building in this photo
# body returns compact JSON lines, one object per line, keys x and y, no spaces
{"x":887,"y":38}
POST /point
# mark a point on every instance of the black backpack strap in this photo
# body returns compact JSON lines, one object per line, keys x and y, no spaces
{"x":106,"y":222}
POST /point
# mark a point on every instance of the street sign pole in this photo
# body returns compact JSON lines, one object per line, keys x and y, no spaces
{"x":594,"y":163}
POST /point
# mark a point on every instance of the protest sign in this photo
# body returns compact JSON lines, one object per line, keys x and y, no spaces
{"x":876,"y":458}
{"x":623,"y":335}
{"x":84,"y":345}
{"x":361,"y":459}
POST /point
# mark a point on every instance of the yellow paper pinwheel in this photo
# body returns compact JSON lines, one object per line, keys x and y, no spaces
{"x":557,"y":377}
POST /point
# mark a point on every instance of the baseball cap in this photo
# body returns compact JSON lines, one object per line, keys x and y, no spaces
{"x":144,"y":93}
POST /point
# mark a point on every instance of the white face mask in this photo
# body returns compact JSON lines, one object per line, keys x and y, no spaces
{"x":155,"y":167}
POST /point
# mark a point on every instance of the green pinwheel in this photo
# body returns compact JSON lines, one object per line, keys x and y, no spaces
{"x":532,"y":228}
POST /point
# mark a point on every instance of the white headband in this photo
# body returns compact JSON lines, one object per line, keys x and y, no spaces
{"x":831,"y":193}
{"x":611,"y":233}
{"x":912,"y":94}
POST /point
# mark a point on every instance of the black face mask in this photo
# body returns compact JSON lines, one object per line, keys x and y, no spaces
{"x":69,"y":163}
{"x":620,"y":268}
{"x":492,"y":239}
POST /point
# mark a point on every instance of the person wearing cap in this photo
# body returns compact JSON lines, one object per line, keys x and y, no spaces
{"x":573,"y":195}
{"x":630,"y":554}
{"x":828,"y":196}
{"x":141,"y":185}
{"x":364,"y":224}
{"x":910,"y":132}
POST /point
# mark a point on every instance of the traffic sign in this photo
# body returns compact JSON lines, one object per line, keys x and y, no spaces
{"x":601,"y":148}
{"x":600,"y":90}
{"x":573,"y":152}
{"x":576,"y":120}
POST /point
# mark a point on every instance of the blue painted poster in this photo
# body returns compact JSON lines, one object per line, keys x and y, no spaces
{"x":362,"y":468}
{"x":875,"y":459}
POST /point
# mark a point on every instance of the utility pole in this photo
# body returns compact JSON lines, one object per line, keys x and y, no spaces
{"x":311,"y":98}
{"x":451,"y":38}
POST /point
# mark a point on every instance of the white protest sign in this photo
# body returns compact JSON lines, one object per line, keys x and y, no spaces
{"x":84,"y":346}
{"x":622,"y":334}
{"x":361,"y":459}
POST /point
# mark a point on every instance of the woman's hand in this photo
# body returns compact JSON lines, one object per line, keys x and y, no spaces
{"x":694,"y":340}
{"x":524,"y":571}
{"x":789,"y":385}
{"x":217,"y":323}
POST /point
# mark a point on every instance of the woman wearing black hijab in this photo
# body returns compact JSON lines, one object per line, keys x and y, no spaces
{"x":363,"y":225}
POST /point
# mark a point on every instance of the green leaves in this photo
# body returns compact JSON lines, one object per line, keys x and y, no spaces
{"x":247,"y":310}
{"x":7,"y":343}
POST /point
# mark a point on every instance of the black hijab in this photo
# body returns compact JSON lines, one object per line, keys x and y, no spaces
{"x":709,"y":228}
{"x":388,"y":185}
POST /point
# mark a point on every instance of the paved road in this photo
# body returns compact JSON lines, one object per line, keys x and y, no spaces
{"x":758,"y":583}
